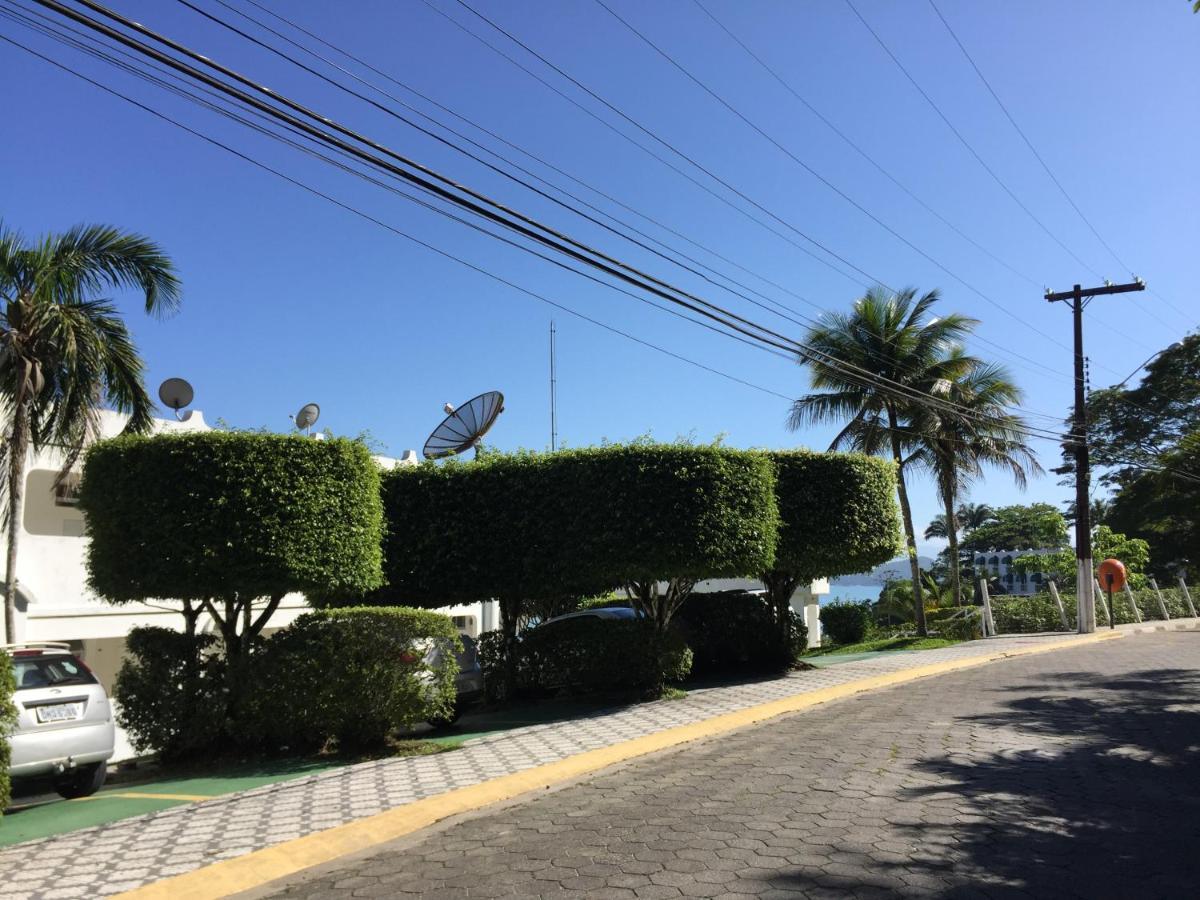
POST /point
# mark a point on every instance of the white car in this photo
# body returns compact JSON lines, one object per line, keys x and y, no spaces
{"x":65,"y":727}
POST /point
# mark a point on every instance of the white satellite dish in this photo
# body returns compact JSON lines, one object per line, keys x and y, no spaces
{"x":175,"y":393}
{"x":307,"y":417}
{"x":464,"y":426}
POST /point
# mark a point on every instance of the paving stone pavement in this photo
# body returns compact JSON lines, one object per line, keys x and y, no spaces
{"x":1070,"y":774}
{"x":125,"y":855}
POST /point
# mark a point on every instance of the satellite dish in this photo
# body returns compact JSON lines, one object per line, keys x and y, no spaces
{"x":307,"y":417}
{"x":176,"y":394}
{"x":465,"y":426}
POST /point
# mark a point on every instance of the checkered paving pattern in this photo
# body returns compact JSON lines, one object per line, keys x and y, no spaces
{"x":109,"y":859}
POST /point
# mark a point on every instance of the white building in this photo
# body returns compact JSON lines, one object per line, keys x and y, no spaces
{"x":53,"y":599}
{"x":998,"y":564}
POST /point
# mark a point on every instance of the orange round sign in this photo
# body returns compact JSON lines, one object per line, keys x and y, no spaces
{"x":1112,"y":574}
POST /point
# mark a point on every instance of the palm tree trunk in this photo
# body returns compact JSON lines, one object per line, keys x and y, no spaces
{"x":18,"y":444}
{"x":910,"y":537}
{"x":948,"y":499}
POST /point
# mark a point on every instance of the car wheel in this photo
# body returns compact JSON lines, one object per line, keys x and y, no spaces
{"x":83,"y":782}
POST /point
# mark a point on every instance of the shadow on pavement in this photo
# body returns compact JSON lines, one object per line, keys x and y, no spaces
{"x":1094,"y":793}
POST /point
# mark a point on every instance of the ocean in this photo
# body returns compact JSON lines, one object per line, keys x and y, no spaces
{"x":856,"y":592}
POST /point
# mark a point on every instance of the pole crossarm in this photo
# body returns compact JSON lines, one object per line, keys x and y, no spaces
{"x":1084,"y":293}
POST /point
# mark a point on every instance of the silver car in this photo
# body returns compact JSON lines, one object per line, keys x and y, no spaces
{"x":65,"y":724}
{"x":468,"y":683}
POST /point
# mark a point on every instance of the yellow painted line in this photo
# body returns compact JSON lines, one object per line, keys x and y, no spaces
{"x":260,"y":867}
{"x":138,"y":795}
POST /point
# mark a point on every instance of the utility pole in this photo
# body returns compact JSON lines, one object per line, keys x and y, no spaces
{"x":553,"y":393}
{"x":1077,"y":298}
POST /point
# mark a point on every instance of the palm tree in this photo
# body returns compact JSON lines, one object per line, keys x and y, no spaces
{"x":973,"y":515}
{"x":956,"y":442}
{"x":872,"y":366}
{"x":63,"y":351}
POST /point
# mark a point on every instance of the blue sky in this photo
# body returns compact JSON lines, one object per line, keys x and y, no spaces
{"x":290,"y":299}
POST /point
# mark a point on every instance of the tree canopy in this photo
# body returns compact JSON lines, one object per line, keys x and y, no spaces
{"x":1035,"y":526}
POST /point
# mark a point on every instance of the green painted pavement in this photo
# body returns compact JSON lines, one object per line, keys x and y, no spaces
{"x":37,"y":816}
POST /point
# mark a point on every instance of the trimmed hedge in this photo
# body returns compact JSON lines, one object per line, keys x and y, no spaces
{"x":576,"y":522}
{"x":837,"y":511}
{"x":845,"y":622}
{"x":351,"y":675}
{"x":8,"y":720}
{"x":208,"y":514}
{"x":1037,"y":612}
{"x":171,"y":692}
{"x":735,"y":631}
{"x":330,"y":675}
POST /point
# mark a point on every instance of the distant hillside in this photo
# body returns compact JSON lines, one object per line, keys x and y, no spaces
{"x":897,"y":568}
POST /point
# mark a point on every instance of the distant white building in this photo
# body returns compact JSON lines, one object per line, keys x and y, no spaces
{"x":53,"y":600}
{"x":998,"y":564}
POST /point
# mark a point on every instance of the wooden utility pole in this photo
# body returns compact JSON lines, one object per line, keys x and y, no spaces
{"x":1077,"y":298}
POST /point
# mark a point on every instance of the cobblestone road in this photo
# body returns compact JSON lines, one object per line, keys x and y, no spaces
{"x":1070,"y":774}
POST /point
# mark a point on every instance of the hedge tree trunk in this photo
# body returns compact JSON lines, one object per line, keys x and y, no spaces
{"x":510,"y":616}
{"x":910,"y":539}
{"x":780,"y":588}
{"x":659,"y":606}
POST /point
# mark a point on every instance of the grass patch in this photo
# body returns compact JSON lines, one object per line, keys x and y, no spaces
{"x":672,"y":693}
{"x":896,"y":643}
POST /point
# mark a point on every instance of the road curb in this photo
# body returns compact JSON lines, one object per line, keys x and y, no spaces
{"x":260,"y":867}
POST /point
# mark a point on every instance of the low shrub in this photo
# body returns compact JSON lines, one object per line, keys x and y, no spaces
{"x":844,"y":621}
{"x":962,"y":624}
{"x":352,"y":675}
{"x":589,"y":655}
{"x":8,"y":719}
{"x":1025,"y":615}
{"x":736,"y":631}
{"x":171,"y":692}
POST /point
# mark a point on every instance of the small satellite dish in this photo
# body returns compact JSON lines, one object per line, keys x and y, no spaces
{"x":464,"y":426}
{"x":307,"y":417}
{"x":176,"y":394}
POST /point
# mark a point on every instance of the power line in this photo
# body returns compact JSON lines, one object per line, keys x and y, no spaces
{"x":807,"y":320}
{"x":566,"y":75}
{"x":1045,"y":166}
{"x":962,"y":140}
{"x":817,"y":175}
{"x":391,"y":228}
{"x":805,"y":353}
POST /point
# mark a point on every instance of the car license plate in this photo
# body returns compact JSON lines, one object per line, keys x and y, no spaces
{"x":59,"y":712}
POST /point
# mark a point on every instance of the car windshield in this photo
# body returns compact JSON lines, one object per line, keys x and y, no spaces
{"x":50,"y":671}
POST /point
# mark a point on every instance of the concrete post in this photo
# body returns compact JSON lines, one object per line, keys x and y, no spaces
{"x":1187,"y":595}
{"x":1103,"y":602}
{"x":989,"y":624}
{"x":1162,"y":604}
{"x":1137,"y":613}
{"x":1062,"y":612}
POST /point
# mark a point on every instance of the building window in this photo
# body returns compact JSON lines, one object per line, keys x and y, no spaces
{"x":995,"y":560}
{"x":1008,"y":560}
{"x":982,"y":561}
{"x":66,"y":492}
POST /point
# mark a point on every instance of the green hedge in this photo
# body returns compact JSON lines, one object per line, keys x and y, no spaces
{"x":351,"y":675}
{"x":593,"y":656}
{"x":171,"y":692}
{"x":1037,"y":612}
{"x":212,"y":513}
{"x":838,"y":513}
{"x":8,"y":720}
{"x":330,"y":675}
{"x":845,"y":622}
{"x":735,"y":631}
{"x":576,"y":522}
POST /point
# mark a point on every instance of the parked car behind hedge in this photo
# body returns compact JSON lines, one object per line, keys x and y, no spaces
{"x":737,"y":631}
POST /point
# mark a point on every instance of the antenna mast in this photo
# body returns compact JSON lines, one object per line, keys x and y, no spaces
{"x":553,"y":393}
